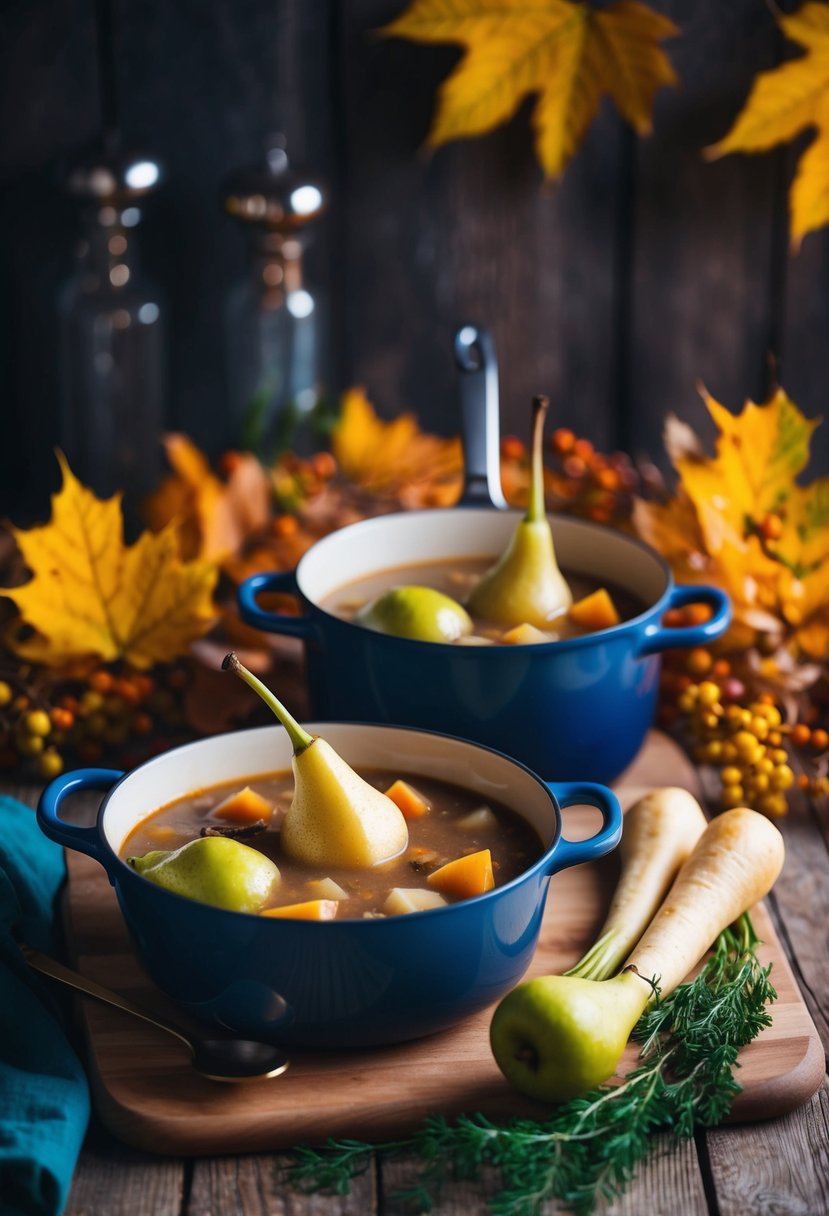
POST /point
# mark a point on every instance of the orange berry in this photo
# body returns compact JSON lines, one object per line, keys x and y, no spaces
{"x":141,"y":724}
{"x":575,"y":467}
{"x":721,"y":669}
{"x":584,"y":449}
{"x":607,"y":478}
{"x":144,"y":683}
{"x":285,"y":525}
{"x":512,"y":448}
{"x":562,"y":440}
{"x":102,"y":681}
{"x":803,"y":782}
{"x":71,"y":703}
{"x":63,"y":719}
{"x":127,"y":691}
{"x":324,"y":465}
{"x":674,"y":618}
{"x":800,"y":734}
{"x":771,"y":527}
{"x":699,"y":661}
{"x":819,"y":740}
{"x":697,"y":614}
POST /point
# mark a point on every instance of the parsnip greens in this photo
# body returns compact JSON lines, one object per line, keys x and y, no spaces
{"x":591,"y":1146}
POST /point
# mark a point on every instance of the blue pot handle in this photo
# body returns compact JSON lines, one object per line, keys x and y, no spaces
{"x":658,"y":637}
{"x":272,"y":622}
{"x":85,"y":840}
{"x":586,"y":793}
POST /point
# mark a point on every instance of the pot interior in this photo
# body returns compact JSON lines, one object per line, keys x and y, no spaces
{"x":245,"y":754}
{"x":460,"y":532}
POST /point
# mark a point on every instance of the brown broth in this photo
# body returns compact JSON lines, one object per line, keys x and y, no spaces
{"x":434,"y":838}
{"x":457,"y":578}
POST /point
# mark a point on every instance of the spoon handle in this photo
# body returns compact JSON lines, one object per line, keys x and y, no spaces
{"x":480,"y":426}
{"x":73,"y":979}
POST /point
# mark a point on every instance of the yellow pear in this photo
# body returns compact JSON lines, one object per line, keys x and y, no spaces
{"x":335,"y":818}
{"x":525,"y":586}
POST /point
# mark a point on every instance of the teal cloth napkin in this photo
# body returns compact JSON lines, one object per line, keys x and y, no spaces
{"x":44,"y":1099}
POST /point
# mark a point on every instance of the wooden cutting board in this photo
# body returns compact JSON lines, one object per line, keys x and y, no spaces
{"x":147,"y":1094}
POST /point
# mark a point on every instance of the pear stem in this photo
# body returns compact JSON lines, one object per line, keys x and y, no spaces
{"x":537,"y":508}
{"x":298,"y":736}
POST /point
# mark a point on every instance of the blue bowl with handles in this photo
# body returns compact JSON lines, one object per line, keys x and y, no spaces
{"x":573,"y":709}
{"x":348,"y":983}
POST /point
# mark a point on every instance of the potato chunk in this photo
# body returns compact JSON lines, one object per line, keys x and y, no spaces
{"x":482,"y":819}
{"x":411,"y":899}
{"x":326,"y":888}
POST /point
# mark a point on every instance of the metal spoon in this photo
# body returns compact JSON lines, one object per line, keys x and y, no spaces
{"x":218,"y":1059}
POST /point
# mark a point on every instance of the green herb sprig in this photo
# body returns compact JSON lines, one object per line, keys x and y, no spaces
{"x":591,"y":1146}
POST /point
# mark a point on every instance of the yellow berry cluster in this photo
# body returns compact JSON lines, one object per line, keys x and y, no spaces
{"x":41,"y":726}
{"x":746,"y":745}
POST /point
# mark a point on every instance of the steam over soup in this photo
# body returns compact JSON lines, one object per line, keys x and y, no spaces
{"x":459,"y":846}
{"x":595,"y":605}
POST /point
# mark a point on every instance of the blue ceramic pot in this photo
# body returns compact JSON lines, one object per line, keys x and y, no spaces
{"x":336,"y":983}
{"x":572,"y":709}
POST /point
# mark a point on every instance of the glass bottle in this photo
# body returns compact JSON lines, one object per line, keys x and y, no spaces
{"x":276,"y":319}
{"x":112,"y":340}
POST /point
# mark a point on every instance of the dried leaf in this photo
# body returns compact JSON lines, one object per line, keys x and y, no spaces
{"x":570,"y":54}
{"x":395,"y":458}
{"x":91,"y":595}
{"x":782,"y":103}
{"x":740,"y":520}
{"x":213,"y":517}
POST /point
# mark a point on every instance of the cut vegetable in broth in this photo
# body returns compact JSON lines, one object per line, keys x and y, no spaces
{"x":456,"y":822}
{"x":590,"y":611}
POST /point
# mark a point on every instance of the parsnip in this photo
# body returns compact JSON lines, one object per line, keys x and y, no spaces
{"x":660,"y":830}
{"x":735,"y":863}
{"x":558,"y":1036}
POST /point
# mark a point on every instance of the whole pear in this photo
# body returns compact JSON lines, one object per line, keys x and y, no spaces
{"x":555,"y":1037}
{"x":335,"y":818}
{"x":213,"y":870}
{"x":525,"y":586}
{"x":422,"y":613}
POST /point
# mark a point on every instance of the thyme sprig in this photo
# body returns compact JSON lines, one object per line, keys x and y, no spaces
{"x":590,"y":1147}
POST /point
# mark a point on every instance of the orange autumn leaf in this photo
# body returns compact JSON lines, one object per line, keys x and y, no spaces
{"x":568,"y":53}
{"x":786,"y":101}
{"x":740,"y":520}
{"x":90,"y":595}
{"x":395,"y":458}
{"x":213,"y":517}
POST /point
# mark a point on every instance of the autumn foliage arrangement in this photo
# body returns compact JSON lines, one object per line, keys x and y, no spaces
{"x":109,"y":650}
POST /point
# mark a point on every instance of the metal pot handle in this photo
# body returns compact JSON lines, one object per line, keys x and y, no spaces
{"x":85,"y":840}
{"x":480,"y":425}
{"x":586,"y":793}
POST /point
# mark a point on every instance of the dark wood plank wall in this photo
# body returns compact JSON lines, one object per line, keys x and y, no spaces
{"x":645,"y":271}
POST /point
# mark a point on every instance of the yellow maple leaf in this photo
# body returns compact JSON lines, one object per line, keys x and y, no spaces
{"x":91,"y":595}
{"x":785,"y":101}
{"x":740,"y":520}
{"x":395,"y":458}
{"x":566,"y":51}
{"x":213,"y":517}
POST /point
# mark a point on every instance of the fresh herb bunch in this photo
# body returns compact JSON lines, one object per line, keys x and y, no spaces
{"x":591,"y":1146}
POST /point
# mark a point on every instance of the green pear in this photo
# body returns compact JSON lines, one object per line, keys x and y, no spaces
{"x":422,"y":613}
{"x":335,"y":818}
{"x":525,"y":586}
{"x":213,"y":870}
{"x":555,"y":1037}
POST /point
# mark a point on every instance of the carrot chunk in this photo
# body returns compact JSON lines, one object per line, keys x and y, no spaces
{"x":245,"y":806}
{"x":595,"y":611}
{"x":311,"y":909}
{"x":411,"y":804}
{"x":465,"y":876}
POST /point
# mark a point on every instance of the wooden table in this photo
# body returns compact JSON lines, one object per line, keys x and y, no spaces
{"x":778,"y":1166}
